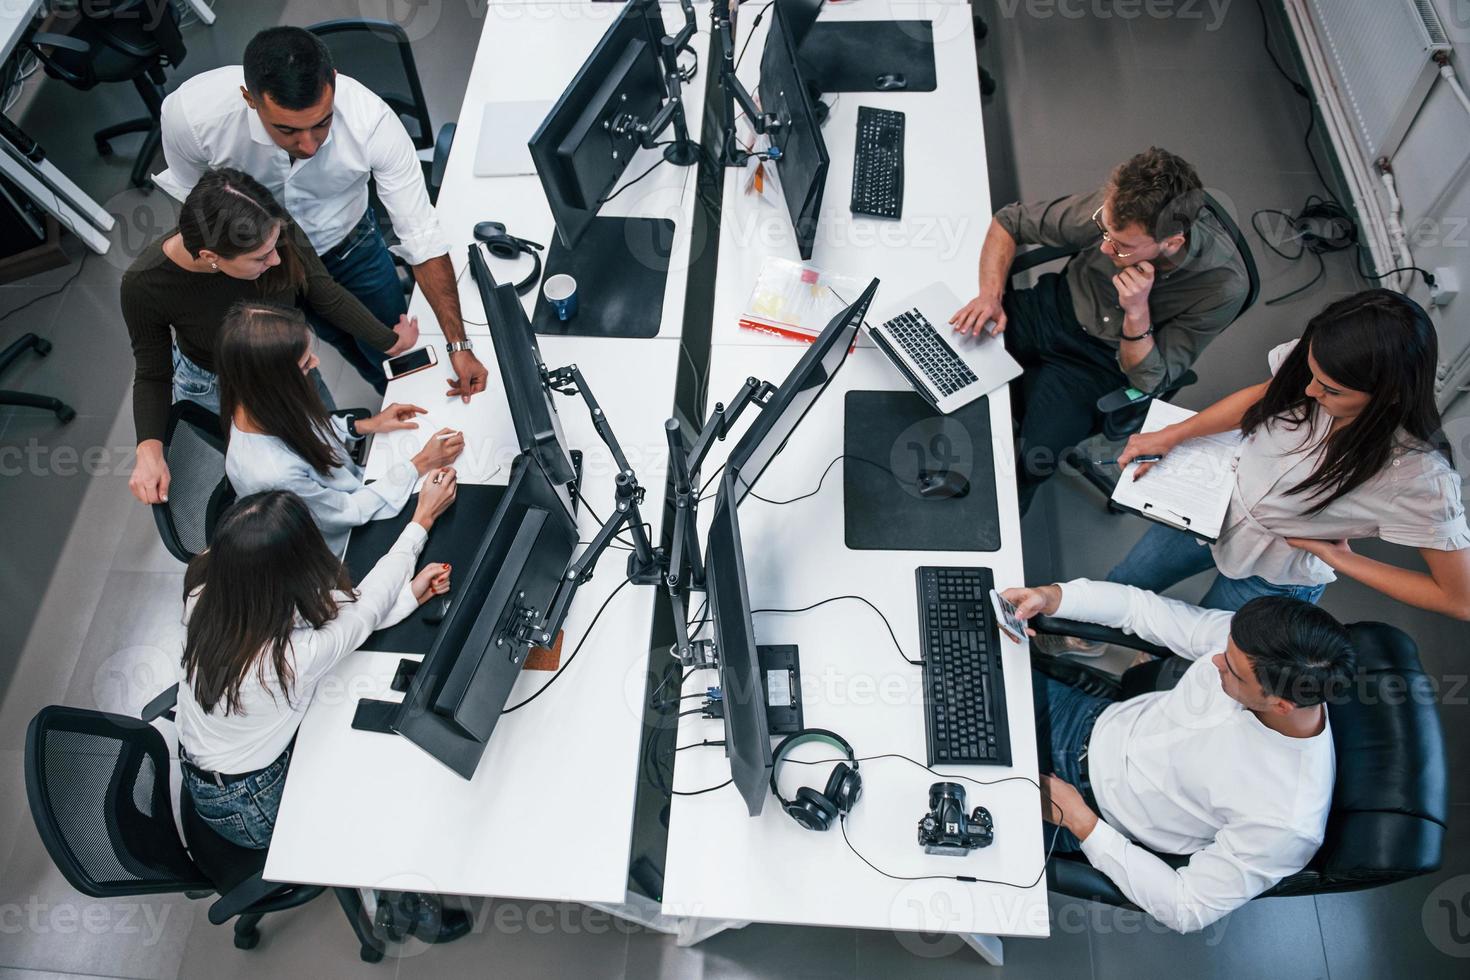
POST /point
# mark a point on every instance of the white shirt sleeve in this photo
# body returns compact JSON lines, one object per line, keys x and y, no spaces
{"x":1187,"y":630}
{"x":400,"y":179}
{"x":182,"y":152}
{"x":384,"y":597}
{"x":1243,"y":860}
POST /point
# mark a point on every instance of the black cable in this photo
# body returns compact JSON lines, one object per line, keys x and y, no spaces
{"x":698,"y":792}
{"x":691,"y":711}
{"x":658,"y":163}
{"x":898,"y":646}
{"x":575,"y":650}
{"x":823,"y":479}
{"x":753,"y":25}
{"x":700,"y":745}
{"x":59,"y":289}
{"x":1300,"y":90}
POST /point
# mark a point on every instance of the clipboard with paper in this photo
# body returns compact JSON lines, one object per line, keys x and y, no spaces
{"x":1190,"y":488}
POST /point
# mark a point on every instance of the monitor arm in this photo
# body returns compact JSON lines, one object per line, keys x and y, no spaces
{"x":733,"y":153}
{"x":685,"y":567}
{"x":643,"y":564}
{"x":682,"y":152}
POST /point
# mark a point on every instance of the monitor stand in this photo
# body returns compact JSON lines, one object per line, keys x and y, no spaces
{"x":622,"y":267}
{"x":849,"y":56}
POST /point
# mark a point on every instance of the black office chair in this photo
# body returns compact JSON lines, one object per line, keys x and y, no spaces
{"x":1119,"y":424}
{"x":199,"y":492}
{"x":1391,"y":799}
{"x":42,"y":346}
{"x":117,"y":41}
{"x":98,"y":787}
{"x":378,"y":54}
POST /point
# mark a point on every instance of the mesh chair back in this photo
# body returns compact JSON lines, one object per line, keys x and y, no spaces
{"x":151,"y":36}
{"x":98,"y":786}
{"x":377,"y":53}
{"x":194,"y":448}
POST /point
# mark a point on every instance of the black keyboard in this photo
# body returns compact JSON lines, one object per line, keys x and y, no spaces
{"x":964,"y":689}
{"x":937,"y":361}
{"x":877,"y":172}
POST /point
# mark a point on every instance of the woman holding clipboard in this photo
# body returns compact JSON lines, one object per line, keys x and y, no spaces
{"x":1343,"y":442}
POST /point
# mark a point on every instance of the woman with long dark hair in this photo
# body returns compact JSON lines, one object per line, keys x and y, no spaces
{"x":270,"y":610}
{"x":234,"y":242}
{"x":1343,"y":443}
{"x":281,"y":437}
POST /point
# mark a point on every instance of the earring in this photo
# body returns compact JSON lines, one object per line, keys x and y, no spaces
{"x":214,"y":266}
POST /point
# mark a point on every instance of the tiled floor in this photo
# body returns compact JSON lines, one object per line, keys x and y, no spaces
{"x":87,"y":594}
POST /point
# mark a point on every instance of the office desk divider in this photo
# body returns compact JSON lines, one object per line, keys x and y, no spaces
{"x":888,"y":438}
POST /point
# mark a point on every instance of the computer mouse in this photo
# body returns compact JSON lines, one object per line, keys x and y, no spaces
{"x":941,"y":486}
{"x":436,"y":609}
{"x":891,"y":81}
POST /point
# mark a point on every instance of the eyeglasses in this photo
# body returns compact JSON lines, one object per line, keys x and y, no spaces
{"x":1097,"y":220}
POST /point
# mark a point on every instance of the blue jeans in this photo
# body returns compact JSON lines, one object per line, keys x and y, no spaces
{"x":362,"y":265}
{"x":194,"y":384}
{"x":243,"y":811}
{"x":1064,"y":720}
{"x":1166,"y":556}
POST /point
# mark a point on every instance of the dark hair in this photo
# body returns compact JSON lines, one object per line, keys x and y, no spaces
{"x":1377,"y":342}
{"x":291,"y":65}
{"x":230,"y":213}
{"x":267,"y":564}
{"x":1299,"y":652}
{"x":1157,"y":190}
{"x":258,"y":361}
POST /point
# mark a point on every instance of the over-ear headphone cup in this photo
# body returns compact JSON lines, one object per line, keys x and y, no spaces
{"x":812,"y":810}
{"x":501,"y":248}
{"x":844,"y":787}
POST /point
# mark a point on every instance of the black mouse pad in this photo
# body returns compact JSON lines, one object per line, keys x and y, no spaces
{"x":888,"y":437}
{"x":849,"y":56}
{"x":455,"y":539}
{"x":621,"y":266}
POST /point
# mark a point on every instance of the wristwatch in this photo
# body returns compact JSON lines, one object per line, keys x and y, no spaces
{"x":455,"y":346}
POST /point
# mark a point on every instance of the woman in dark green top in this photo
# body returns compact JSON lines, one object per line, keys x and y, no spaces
{"x":234,"y":242}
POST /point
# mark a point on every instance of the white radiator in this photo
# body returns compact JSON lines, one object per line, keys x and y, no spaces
{"x":1380,"y":52}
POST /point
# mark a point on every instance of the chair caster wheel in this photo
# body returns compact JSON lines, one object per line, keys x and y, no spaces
{"x":247,"y":940}
{"x":41,"y":346}
{"x":65,"y":413}
{"x":104,"y":149}
{"x":369,"y":954}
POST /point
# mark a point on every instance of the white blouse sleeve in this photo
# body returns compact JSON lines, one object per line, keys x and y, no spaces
{"x":1426,"y":508}
{"x":1278,"y":354}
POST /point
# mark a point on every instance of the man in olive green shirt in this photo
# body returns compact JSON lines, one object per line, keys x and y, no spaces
{"x":1156,"y":280}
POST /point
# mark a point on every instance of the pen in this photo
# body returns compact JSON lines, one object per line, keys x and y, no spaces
{"x":1151,"y":458}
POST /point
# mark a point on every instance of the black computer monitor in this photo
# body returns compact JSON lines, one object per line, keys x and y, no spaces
{"x":538,"y":427}
{"x":455,"y":699}
{"x":802,"y":166}
{"x":800,"y":15}
{"x":577,"y":156}
{"x":803,"y":386}
{"x":747,"y":731}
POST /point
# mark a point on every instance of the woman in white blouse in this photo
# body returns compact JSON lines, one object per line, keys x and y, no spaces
{"x":1343,"y":442}
{"x":270,"y":611}
{"x":281,"y":437}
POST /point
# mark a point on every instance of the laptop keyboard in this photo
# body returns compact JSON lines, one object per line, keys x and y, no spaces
{"x":945,"y":370}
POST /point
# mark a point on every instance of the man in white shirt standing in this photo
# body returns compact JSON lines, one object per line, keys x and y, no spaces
{"x":314,"y":138}
{"x":1234,"y":766}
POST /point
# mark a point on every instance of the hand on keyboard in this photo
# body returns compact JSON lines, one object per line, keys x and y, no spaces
{"x":983,"y":313}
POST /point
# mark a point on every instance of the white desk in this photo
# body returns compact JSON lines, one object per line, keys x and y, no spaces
{"x":721,"y":863}
{"x":375,"y":811}
{"x":529,"y":52}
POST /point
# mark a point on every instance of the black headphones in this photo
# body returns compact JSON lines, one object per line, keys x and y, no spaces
{"x":813,"y":810}
{"x":504,"y":245}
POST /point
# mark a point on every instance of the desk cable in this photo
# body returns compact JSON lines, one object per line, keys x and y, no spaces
{"x":575,"y":650}
{"x":893,"y":636}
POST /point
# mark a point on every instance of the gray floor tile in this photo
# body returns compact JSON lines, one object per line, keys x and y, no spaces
{"x":132,"y":651}
{"x":1415,"y":928}
{"x":141,"y":548}
{"x":1224,"y":36}
{"x":6,"y":973}
{"x":882,"y":955}
{"x":90,"y":364}
{"x":1276,"y":937}
{"x":515,"y":939}
{"x":769,"y":951}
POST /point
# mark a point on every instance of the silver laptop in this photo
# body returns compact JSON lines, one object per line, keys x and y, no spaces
{"x":949,"y":369}
{"x":505,"y":129}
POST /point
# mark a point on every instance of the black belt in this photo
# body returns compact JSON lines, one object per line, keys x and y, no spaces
{"x":224,"y":779}
{"x":354,"y":236}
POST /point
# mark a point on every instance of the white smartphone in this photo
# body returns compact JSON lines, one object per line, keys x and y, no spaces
{"x":1005,"y":617}
{"x":410,"y":362}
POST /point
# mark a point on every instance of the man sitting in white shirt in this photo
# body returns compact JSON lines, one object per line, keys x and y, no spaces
{"x":1234,"y":766}
{"x":314,"y":138}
